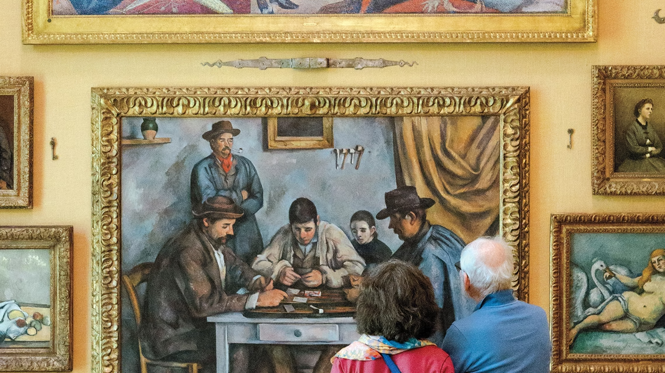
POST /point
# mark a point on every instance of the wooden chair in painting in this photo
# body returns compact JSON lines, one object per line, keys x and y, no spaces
{"x":131,"y":280}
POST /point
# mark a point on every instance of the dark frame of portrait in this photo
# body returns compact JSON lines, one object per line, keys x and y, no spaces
{"x":510,"y":105}
{"x":16,"y":118}
{"x":599,"y":229}
{"x":616,"y":91}
{"x":579,"y":23}
{"x":286,"y":133}
{"x":57,"y":356}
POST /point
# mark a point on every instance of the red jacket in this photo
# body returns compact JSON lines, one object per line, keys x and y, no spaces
{"x":428,"y":359}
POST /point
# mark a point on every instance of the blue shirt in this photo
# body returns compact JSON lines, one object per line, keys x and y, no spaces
{"x":501,"y":335}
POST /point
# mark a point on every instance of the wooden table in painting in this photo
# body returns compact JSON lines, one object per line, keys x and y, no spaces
{"x":323,"y":320}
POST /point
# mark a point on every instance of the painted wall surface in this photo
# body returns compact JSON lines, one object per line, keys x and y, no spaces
{"x":559,"y":75}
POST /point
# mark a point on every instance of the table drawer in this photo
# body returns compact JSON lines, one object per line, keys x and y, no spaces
{"x":298,"y":332}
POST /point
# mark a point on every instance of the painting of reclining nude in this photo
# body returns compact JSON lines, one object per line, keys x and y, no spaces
{"x":235,"y":257}
{"x":617,"y":289}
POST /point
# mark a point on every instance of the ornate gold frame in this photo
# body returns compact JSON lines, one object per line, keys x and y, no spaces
{"x":562,"y":227}
{"x":22,"y":88}
{"x":579,"y":24}
{"x":58,"y":239}
{"x":604,"y":179}
{"x":109,"y":105}
{"x":291,"y":142}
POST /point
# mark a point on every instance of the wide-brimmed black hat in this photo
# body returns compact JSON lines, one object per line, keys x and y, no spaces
{"x":403,"y":199}
{"x":218,"y":207}
{"x":223,"y":126}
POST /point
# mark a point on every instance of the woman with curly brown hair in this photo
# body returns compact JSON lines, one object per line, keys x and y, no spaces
{"x":396,"y":312}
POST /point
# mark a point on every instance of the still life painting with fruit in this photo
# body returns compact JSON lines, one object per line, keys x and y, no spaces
{"x":25,"y":283}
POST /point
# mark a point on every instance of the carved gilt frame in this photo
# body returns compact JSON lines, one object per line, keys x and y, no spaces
{"x":58,"y":356}
{"x":605,"y":179}
{"x":563,"y":226}
{"x":110,"y":105}
{"x":577,"y":24}
{"x":22,"y":91}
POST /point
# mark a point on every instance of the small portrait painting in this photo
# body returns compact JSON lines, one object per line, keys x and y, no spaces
{"x":639,"y":128}
{"x":6,"y":142}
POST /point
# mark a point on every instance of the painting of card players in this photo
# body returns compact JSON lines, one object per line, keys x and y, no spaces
{"x":215,"y":223}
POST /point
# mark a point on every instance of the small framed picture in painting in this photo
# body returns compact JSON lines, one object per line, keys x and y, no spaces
{"x":629,"y":130}
{"x":300,"y":133}
{"x":35,"y":298}
{"x":16,"y":108}
{"x":608,"y":281}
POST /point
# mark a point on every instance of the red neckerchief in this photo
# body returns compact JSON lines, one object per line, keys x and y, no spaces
{"x":226,"y":163}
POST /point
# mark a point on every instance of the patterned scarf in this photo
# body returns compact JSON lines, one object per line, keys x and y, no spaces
{"x":369,"y":347}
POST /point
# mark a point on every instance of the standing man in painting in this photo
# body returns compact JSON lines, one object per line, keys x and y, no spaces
{"x":503,"y":334}
{"x":195,"y":276}
{"x":433,"y":249}
{"x":233,"y":176}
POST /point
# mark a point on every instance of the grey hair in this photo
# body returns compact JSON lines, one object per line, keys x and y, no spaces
{"x":488,"y":261}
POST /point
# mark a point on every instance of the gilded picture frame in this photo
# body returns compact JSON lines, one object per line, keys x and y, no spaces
{"x":37,"y":287}
{"x":509,"y":106}
{"x":321,"y":136}
{"x":624,"y":164}
{"x":576,"y":22}
{"x":16,"y":118}
{"x":585,"y":248}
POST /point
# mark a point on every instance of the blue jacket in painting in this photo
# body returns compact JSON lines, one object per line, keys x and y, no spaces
{"x":502,"y":335}
{"x":435,"y":254}
{"x":208,"y":180}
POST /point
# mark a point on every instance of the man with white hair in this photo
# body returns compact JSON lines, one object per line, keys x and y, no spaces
{"x":502,"y":334}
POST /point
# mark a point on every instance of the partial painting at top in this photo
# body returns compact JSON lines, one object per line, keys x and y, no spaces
{"x":128,"y":7}
{"x":6,"y":142}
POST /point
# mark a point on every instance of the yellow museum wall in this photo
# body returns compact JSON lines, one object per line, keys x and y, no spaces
{"x":559,"y":76}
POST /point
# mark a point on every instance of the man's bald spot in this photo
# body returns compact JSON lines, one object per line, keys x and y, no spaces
{"x":490,"y":253}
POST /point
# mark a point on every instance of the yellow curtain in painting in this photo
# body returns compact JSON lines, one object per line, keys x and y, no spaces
{"x":456,"y":162}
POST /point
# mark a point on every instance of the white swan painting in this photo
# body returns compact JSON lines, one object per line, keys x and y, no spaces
{"x":586,"y":298}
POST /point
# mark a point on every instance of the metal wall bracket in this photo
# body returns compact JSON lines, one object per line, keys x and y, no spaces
{"x":307,"y":63}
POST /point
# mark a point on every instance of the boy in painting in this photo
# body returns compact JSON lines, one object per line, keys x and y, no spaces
{"x":631,"y":311}
{"x":365,"y":239}
{"x":309,"y":252}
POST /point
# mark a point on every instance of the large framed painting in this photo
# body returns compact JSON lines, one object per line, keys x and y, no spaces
{"x":628,"y":125}
{"x":608,"y":278}
{"x":465,"y":148}
{"x":16,"y":115}
{"x":320,"y":21}
{"x":35,"y":300}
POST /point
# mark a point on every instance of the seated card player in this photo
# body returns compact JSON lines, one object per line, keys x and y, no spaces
{"x":309,"y":252}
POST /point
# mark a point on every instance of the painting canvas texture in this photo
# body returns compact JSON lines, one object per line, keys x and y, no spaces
{"x":6,"y":142}
{"x":147,"y":7}
{"x":25,"y":295}
{"x":632,"y":138}
{"x":592,"y":254}
{"x":156,"y":183}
